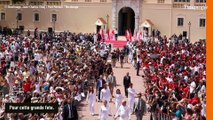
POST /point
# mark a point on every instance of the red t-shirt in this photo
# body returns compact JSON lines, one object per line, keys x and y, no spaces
{"x":164,"y":82}
{"x":154,"y":78}
{"x":198,"y":78}
{"x":186,"y":89}
{"x":2,"y":47}
{"x":175,"y":84}
{"x":145,"y":65}
{"x":195,"y":100}
{"x":181,"y":88}
{"x":26,"y":86}
{"x":171,"y":86}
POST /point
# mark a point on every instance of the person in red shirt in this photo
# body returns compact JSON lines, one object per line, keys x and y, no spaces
{"x":163,"y":83}
{"x":171,"y":85}
{"x":27,"y":85}
{"x":154,"y":78}
{"x":195,"y":100}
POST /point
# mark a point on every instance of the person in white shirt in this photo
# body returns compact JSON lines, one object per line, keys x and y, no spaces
{"x":196,"y":69}
{"x":105,"y":94}
{"x":95,"y":38}
{"x":91,"y":97}
{"x":192,"y":87}
{"x":203,"y":110}
{"x":104,"y":111}
{"x":131,"y":97}
{"x":118,"y":99}
{"x":5,"y":100}
{"x":37,"y":87}
{"x":123,"y":112}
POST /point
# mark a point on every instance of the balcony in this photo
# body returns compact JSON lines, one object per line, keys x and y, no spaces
{"x":200,"y":4}
{"x":53,"y":3}
{"x":180,"y":5}
{"x":36,"y":2}
{"x":5,"y":2}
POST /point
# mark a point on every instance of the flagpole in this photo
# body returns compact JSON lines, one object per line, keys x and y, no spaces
{"x":107,"y":21}
{"x":17,"y":21}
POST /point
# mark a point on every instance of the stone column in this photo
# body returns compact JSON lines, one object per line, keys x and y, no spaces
{"x":192,"y":2}
{"x":136,"y":22}
{"x":114,"y":14}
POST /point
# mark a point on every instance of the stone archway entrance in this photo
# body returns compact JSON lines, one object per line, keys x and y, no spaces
{"x":121,"y":9}
{"x":126,"y":20}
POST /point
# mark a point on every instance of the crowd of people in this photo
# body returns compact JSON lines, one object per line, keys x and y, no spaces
{"x":48,"y":69}
{"x":68,"y":67}
{"x":175,"y":77}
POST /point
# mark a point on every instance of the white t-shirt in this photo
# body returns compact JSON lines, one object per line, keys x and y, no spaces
{"x":118,"y":98}
{"x":203,"y":110}
{"x":131,"y":93}
{"x":124,"y":112}
{"x":37,"y":88}
{"x":192,"y":86}
{"x":196,"y":69}
{"x":104,"y":113}
{"x":105,"y":94}
{"x":116,"y":32}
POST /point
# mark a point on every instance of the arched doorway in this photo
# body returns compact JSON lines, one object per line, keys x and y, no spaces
{"x":126,"y":20}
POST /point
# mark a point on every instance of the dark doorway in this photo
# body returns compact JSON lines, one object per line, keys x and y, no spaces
{"x":126,"y":20}
{"x":98,"y":27}
{"x":146,"y":29}
{"x":185,"y":34}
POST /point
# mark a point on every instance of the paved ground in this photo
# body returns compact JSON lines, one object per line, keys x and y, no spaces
{"x":119,"y":73}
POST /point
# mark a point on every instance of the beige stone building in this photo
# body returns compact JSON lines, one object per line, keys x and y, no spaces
{"x":186,"y":17}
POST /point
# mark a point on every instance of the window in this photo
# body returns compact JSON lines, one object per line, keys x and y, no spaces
{"x":18,"y":1}
{"x":74,"y":0}
{"x":200,"y":1}
{"x":88,"y":0}
{"x":54,"y":3}
{"x":202,"y":22}
{"x":19,"y":16}
{"x":181,"y":0}
{"x":161,"y":1}
{"x":36,"y":3}
{"x":180,"y":21}
{"x":103,"y":0}
{"x":2,"y":16}
{"x":4,"y":2}
{"x":54,"y":17}
{"x":36,"y":17}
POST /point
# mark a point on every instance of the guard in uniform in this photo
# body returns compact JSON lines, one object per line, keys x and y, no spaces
{"x":122,"y":54}
{"x":113,"y":59}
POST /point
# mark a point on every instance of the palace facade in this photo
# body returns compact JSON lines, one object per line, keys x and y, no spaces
{"x":186,"y":17}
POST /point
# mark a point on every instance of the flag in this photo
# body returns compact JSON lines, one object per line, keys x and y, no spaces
{"x":113,"y":34}
{"x":130,"y":36}
{"x":140,"y":36}
{"x":102,"y":35}
{"x":101,"y":32}
{"x":108,"y":34}
{"x":127,"y":35}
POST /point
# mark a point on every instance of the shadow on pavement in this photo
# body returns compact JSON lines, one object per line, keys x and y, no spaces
{"x":123,"y":67}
